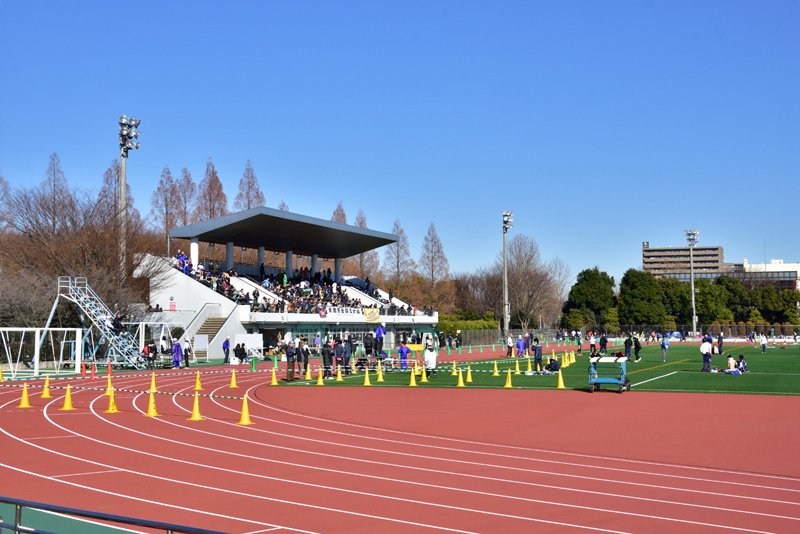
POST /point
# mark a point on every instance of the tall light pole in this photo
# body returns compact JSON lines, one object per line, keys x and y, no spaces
{"x":691,"y":238}
{"x":507,"y":220}
{"x":127,"y":136}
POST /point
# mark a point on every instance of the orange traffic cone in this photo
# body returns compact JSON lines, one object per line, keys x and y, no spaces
{"x":196,"y":409}
{"x":94,"y":372}
{"x":112,"y":404}
{"x":67,"y":401}
{"x":151,"y":406}
{"x":46,"y":389}
{"x":245,"y":418}
{"x":23,"y":401}
{"x":83,"y":368}
{"x":508,"y":380}
{"x":108,"y":368}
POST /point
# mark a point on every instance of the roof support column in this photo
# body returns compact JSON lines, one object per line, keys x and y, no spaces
{"x":229,"y":255}
{"x":337,"y":269}
{"x":289,"y":269}
{"x":194,"y":252}
{"x":314,"y":259}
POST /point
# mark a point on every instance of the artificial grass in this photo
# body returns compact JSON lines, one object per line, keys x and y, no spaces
{"x":777,"y":372}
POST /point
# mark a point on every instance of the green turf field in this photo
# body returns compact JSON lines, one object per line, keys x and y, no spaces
{"x":52,"y":522}
{"x":776,"y":373}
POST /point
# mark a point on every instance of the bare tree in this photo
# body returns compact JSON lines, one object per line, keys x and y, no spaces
{"x":185,"y":191}
{"x":368,"y":262}
{"x":53,"y":193}
{"x":211,"y":201}
{"x":397,"y":261}
{"x":4,"y":194}
{"x":162,"y":204}
{"x":433,"y":265}
{"x":250,"y":194}
{"x":283,"y":206}
{"x":339,"y":214}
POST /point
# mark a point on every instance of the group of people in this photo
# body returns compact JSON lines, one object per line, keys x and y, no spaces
{"x":179,"y":349}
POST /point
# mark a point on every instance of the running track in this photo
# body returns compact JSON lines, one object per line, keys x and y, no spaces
{"x":400,"y":459}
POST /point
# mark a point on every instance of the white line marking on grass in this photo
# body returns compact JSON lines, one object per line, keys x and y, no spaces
{"x":651,"y":379}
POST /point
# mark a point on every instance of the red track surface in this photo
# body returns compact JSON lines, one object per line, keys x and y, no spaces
{"x":400,"y":459}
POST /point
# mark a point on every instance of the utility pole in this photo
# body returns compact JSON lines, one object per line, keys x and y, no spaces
{"x":692,"y":236}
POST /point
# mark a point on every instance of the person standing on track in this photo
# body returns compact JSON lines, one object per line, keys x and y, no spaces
{"x":403,"y":352}
{"x":226,"y":348}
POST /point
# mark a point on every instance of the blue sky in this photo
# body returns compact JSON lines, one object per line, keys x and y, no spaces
{"x":600,"y":124}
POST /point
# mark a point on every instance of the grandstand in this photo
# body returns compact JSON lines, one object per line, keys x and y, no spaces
{"x":217,"y":301}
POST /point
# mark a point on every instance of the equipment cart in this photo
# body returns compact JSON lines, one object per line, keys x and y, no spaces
{"x":608,"y":370}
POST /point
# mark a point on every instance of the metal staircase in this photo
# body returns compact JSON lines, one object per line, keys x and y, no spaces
{"x":122,"y":347}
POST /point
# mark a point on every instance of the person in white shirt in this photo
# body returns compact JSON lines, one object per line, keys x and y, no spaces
{"x":430,"y":360}
{"x":706,"y":350}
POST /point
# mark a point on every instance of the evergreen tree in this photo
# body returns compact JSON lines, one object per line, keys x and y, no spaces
{"x":640,"y":300}
{"x":593,"y":292}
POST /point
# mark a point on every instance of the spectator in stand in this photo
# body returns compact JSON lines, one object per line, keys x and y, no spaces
{"x":403,"y":352}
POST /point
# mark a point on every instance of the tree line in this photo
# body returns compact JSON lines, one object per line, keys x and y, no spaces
{"x":644,"y":300}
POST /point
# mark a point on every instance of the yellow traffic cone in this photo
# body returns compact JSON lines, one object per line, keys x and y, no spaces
{"x":508,"y":380}
{"x":67,"y":401}
{"x":468,"y":380}
{"x":233,"y":380}
{"x":495,"y":372}
{"x":454,"y":372}
{"x":197,"y":385}
{"x":529,"y":369}
{"x":560,"y":381}
{"x":196,"y":409}
{"x":112,"y":404}
{"x":413,"y":382}
{"x":460,"y":383}
{"x":423,"y":375}
{"x":319,"y":378}
{"x":46,"y":389}
{"x":380,"y":373}
{"x":572,"y":356}
{"x":353,"y":364}
{"x":245,"y":418}
{"x":151,"y":406}
{"x":109,"y":387}
{"x":366,"y":377}
{"x":308,"y":372}
{"x":23,"y":401}
{"x":1,"y":374}
{"x":153,"y":388}
{"x":339,"y":374}
{"x":274,"y":378}
{"x":516,"y":368}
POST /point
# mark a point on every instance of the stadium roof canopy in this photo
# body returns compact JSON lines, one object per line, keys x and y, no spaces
{"x":281,"y":231}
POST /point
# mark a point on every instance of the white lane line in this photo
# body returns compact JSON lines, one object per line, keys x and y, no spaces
{"x":87,"y":473}
{"x":651,"y":379}
{"x":515,"y":447}
{"x":53,"y":437}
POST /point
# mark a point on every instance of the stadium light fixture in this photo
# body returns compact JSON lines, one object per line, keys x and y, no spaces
{"x":692,"y":236}
{"x":127,"y":136}
{"x":508,"y":219}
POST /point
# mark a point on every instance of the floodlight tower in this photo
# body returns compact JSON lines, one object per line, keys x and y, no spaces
{"x":692,"y":236}
{"x":507,"y":220}
{"x":127,"y":136}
